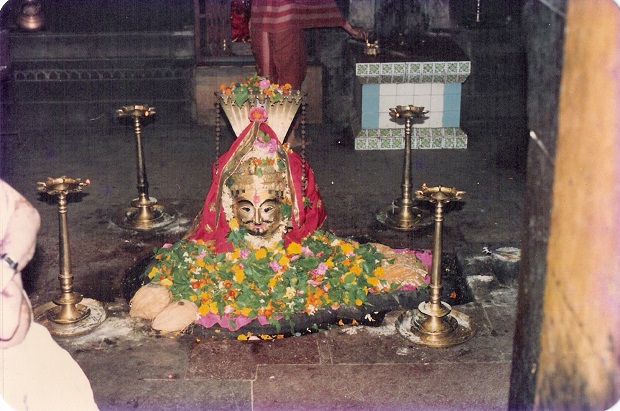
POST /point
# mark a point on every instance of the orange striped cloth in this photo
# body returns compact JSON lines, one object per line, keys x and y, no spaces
{"x":276,"y":15}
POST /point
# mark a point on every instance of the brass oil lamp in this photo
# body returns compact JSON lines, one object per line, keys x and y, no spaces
{"x":144,"y":214}
{"x":68,"y":311}
{"x":434,"y":323}
{"x":402,"y":214}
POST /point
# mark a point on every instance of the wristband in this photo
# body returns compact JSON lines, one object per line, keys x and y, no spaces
{"x":9,"y":261}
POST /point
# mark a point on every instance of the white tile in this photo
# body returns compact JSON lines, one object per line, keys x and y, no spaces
{"x":422,"y":89}
{"x":406,"y":89}
{"x":437,"y":88}
{"x":388,"y":89}
{"x":405,"y":100}
{"x":434,"y":120}
{"x":422,"y":101}
{"x":387,"y":102}
{"x":385,"y":121}
{"x":436,"y":103}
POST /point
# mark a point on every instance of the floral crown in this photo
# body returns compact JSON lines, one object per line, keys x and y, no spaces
{"x":258,"y":88}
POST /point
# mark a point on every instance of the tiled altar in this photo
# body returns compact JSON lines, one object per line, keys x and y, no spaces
{"x":429,"y":77}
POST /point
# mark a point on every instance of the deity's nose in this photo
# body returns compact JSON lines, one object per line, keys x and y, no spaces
{"x":257,"y":216}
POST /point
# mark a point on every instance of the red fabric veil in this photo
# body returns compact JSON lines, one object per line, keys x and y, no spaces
{"x":213,"y":225}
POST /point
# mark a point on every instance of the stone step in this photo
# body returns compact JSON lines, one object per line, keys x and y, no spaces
{"x":91,"y":46}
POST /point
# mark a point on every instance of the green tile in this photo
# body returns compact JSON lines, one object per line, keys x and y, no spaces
{"x":439,"y":67}
{"x":361,"y":69}
{"x":413,"y":78}
{"x":423,"y":132}
{"x":424,"y":142}
{"x":449,"y":142}
{"x":436,"y":132}
{"x":464,"y":67}
{"x":437,"y":142}
{"x":452,"y":68}
{"x":387,"y":68}
{"x":373,"y":143}
{"x":427,"y":68}
{"x":414,"y":68}
{"x":384,"y":132}
{"x":374,"y":69}
{"x":386,"y":143}
{"x":373,"y":132}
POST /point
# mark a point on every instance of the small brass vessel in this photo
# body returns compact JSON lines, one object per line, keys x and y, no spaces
{"x":30,"y":15}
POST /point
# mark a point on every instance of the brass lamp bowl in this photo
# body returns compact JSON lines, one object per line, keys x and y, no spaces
{"x":62,"y":184}
{"x":407,"y":112}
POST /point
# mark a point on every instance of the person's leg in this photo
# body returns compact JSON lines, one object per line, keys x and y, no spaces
{"x":288,"y":54}
{"x":289,"y":57}
{"x":262,"y":54}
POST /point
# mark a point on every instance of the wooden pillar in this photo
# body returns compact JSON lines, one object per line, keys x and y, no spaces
{"x":577,"y":364}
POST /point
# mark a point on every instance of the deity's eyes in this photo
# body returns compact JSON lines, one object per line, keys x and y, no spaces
{"x":268,"y":206}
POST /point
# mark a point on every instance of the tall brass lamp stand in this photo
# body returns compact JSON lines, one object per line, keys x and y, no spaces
{"x":144,"y":214}
{"x":68,"y":317}
{"x":435,"y":323}
{"x":402,"y":215}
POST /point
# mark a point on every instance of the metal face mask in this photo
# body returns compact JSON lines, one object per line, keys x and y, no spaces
{"x":259,"y":211}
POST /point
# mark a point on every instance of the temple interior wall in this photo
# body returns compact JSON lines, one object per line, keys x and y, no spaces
{"x":88,"y":60}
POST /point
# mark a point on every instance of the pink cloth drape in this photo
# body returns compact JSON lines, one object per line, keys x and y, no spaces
{"x":308,"y":220}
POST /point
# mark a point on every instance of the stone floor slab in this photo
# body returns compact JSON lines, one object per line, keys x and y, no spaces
{"x":177,"y":395}
{"x":238,"y":360}
{"x":443,"y":387}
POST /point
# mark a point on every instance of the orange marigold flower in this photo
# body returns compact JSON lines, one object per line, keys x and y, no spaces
{"x":261,"y":253}
{"x":346,"y":248}
{"x":293,"y":248}
{"x":373,"y":281}
{"x":356,"y":269}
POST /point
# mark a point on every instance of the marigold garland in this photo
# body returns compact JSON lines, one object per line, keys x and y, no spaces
{"x":323,"y":271}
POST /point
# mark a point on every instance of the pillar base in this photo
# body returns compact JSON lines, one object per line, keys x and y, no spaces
{"x":86,"y":325}
{"x":451,"y":329}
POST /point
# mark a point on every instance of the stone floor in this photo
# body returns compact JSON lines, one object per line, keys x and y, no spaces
{"x":347,"y":367}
